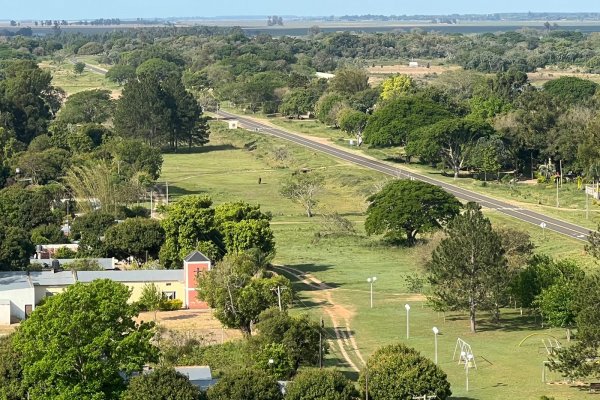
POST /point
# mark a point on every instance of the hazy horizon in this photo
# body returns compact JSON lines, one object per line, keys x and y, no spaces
{"x":73,"y":10}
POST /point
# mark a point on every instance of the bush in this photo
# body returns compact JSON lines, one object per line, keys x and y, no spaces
{"x":320,"y":384}
{"x":400,"y":372}
{"x":245,"y":384}
{"x":161,"y":384}
{"x":170,"y":305}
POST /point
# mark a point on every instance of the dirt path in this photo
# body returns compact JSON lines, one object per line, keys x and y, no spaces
{"x":340,"y":316}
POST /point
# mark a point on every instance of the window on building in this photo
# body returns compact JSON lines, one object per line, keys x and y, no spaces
{"x":169,"y":295}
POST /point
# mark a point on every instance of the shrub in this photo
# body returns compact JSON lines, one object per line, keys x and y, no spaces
{"x":400,"y":372}
{"x":170,"y":305}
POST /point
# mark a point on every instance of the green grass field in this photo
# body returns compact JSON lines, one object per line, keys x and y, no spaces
{"x":64,"y":77}
{"x":228,"y":169}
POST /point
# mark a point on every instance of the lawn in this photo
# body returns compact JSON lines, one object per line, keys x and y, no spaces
{"x":228,"y":169}
{"x":64,"y":77}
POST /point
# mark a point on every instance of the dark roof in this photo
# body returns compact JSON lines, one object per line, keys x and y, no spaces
{"x":196,"y":256}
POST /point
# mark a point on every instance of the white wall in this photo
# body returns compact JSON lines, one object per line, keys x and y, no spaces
{"x":5,"y":314}
{"x":19,"y":299}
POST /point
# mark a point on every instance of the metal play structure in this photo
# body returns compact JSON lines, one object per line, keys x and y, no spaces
{"x":465,"y":353}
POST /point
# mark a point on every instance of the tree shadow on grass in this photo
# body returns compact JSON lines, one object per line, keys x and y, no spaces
{"x":296,"y":273}
{"x":176,"y":191}
{"x":203,"y":149}
{"x":509,"y":322}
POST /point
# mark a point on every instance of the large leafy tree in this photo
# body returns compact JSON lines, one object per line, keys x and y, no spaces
{"x":391,"y":124}
{"x":406,"y":207}
{"x":234,"y":228}
{"x":88,"y":229}
{"x":400,"y":372}
{"x":299,"y":335}
{"x":238,"y":292}
{"x":28,"y":99}
{"x":541,"y":273}
{"x":161,"y":384}
{"x":79,"y":343}
{"x":15,"y":248}
{"x":353,"y":122}
{"x":89,"y":106}
{"x":246,"y":384}
{"x":349,"y":81}
{"x":144,"y":112}
{"x":579,"y":360}
{"x":137,"y":237}
{"x":11,"y":371}
{"x":451,"y":140}
{"x":320,"y":384}
{"x":26,"y":208}
{"x":570,"y":89}
{"x":468,"y":269}
{"x":243,"y":227}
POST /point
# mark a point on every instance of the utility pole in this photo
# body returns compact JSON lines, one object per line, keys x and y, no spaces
{"x":557,"y":182}
{"x":367,"y":384}
{"x":278,"y":290}
{"x":321,"y":343}
{"x":151,"y":204}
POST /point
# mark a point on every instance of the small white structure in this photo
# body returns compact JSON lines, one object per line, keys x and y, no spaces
{"x":324,"y":75}
{"x":5,"y":312}
{"x":413,"y":64}
{"x":233,"y":124}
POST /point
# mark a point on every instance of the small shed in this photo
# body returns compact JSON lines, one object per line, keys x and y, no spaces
{"x":233,"y":124}
{"x":413,"y":64}
{"x":5,"y":312}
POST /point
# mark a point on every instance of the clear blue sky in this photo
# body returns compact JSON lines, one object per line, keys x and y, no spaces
{"x":75,"y":9}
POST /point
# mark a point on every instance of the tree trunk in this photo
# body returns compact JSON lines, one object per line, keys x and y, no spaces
{"x":472,"y":315}
{"x":309,"y":212}
{"x":456,"y":171}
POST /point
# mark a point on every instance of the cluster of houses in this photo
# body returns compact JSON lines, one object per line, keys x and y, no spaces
{"x":21,"y":291}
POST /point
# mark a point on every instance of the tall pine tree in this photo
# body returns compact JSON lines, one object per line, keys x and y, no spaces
{"x":468,"y":270}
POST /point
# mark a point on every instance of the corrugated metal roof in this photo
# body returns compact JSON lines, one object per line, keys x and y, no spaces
{"x":51,"y":278}
{"x":106,"y":263}
{"x":13,"y":280}
{"x":133,"y":276}
{"x":18,"y":280}
{"x":195,"y":373}
{"x":196,"y":256}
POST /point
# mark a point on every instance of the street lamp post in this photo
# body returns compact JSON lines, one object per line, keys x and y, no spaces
{"x":371,"y":281}
{"x":407,"y":307}
{"x":435,"y":333}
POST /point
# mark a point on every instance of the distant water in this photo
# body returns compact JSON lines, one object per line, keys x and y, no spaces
{"x":428,"y":28}
{"x":283,"y":31}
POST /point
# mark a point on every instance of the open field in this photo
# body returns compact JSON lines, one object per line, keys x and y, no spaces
{"x":64,"y":77}
{"x":227,"y":170}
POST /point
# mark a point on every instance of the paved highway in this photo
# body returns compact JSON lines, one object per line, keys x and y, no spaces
{"x":566,"y":228}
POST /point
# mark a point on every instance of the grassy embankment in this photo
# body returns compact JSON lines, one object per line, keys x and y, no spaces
{"x":227,"y":171}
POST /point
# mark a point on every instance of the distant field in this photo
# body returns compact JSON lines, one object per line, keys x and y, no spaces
{"x":226,"y":171}
{"x":64,"y":77}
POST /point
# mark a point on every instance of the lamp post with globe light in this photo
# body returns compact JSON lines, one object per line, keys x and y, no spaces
{"x":407,"y":307}
{"x":435,"y":333}
{"x":371,"y":281}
